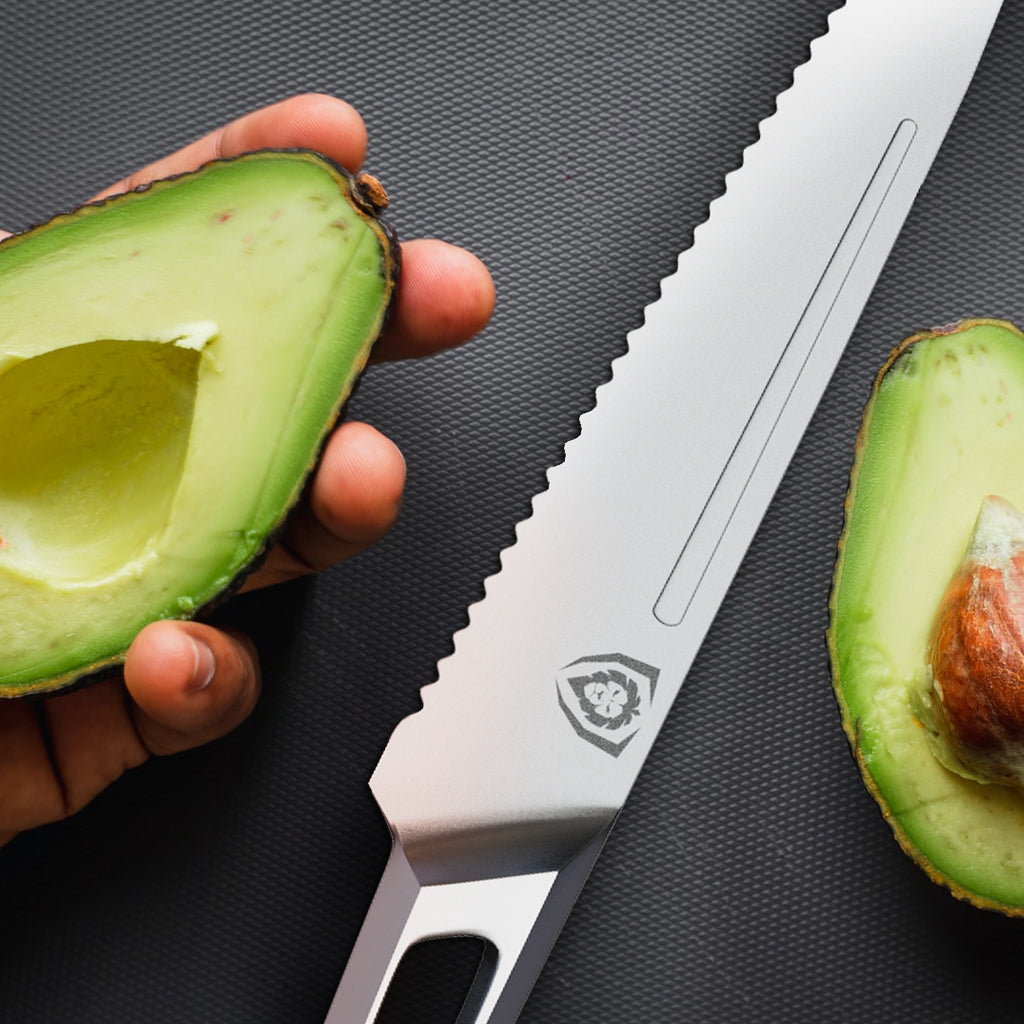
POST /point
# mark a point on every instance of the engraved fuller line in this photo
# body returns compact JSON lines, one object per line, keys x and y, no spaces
{"x":703,"y":541}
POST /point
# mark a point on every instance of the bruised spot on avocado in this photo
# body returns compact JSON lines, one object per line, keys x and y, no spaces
{"x":160,"y":416}
{"x":940,"y":433}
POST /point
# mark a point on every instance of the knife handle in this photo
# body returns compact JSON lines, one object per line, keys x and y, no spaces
{"x":519,"y":918}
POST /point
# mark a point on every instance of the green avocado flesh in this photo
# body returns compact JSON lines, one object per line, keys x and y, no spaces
{"x":171,"y":361}
{"x":944,"y":428}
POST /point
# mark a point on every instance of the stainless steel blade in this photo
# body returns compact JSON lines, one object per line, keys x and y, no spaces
{"x":529,"y":742}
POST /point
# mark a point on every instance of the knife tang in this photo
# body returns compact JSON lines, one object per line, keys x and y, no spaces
{"x":517,"y":916}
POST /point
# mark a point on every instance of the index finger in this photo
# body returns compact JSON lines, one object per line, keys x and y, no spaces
{"x":311,"y":121}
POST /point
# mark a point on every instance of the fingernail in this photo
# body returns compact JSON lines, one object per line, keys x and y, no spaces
{"x":204,"y":665}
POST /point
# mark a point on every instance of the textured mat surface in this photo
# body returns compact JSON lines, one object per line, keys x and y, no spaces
{"x":574,"y":147}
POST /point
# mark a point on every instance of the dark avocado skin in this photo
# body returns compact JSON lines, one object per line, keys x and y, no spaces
{"x":363,"y":199}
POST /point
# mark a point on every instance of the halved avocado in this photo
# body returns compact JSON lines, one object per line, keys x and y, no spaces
{"x":171,"y":362}
{"x":943,"y":430}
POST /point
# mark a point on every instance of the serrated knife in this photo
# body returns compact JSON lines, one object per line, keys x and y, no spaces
{"x":501,"y":791}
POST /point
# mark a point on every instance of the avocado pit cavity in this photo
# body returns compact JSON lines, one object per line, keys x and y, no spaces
{"x":96,"y":436}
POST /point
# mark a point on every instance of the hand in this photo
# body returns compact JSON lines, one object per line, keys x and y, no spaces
{"x":186,"y":683}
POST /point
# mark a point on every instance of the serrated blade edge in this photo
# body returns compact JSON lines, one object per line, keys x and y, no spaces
{"x":513,"y":759}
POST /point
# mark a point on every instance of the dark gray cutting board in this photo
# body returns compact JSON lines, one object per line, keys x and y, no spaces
{"x":574,"y":147}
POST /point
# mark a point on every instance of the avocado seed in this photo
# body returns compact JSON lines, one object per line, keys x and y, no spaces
{"x":976,"y":652}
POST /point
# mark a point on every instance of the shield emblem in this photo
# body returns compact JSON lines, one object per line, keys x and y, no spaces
{"x":606,"y":697}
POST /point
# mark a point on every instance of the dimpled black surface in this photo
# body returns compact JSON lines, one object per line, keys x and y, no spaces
{"x":574,"y":147}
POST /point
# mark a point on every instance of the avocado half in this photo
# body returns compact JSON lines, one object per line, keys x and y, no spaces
{"x":171,"y":362}
{"x":943,"y":430}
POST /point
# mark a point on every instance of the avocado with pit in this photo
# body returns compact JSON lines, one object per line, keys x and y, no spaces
{"x":171,"y":362}
{"x":926,"y":633}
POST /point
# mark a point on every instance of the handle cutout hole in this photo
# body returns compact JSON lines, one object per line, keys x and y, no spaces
{"x":436,"y":979}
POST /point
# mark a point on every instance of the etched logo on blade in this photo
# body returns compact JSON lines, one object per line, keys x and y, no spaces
{"x":605,"y":697}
